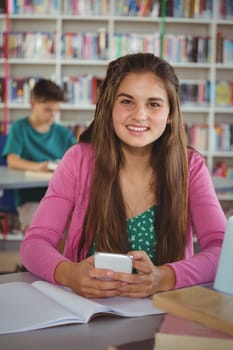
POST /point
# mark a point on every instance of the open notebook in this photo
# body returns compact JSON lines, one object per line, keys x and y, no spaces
{"x":25,"y":306}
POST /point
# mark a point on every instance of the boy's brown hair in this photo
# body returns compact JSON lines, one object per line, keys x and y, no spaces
{"x":46,"y":90}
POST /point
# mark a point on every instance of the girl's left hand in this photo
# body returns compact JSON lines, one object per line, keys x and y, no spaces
{"x":149,"y":278}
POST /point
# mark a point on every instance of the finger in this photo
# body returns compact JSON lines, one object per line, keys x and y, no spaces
{"x":103,"y":274}
{"x":96,"y":293}
{"x":135,"y":294}
{"x":107,"y":284}
{"x":143,"y":267}
{"x":125,"y":277}
{"x":139,"y":255}
{"x":90,"y":259}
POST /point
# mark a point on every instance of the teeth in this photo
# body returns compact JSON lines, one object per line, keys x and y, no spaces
{"x":136,"y":128}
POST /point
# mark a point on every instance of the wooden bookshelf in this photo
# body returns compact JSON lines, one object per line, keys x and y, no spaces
{"x":120,"y":25}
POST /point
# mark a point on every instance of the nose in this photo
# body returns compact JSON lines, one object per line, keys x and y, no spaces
{"x":140,"y":114}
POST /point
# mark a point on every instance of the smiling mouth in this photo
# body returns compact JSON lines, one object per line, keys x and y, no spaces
{"x":137,"y":128}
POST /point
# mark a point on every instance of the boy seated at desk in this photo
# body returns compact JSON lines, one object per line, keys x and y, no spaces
{"x":36,"y":140}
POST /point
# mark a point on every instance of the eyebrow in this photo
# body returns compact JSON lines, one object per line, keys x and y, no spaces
{"x":122,"y":94}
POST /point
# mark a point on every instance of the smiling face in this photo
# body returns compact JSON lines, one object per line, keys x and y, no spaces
{"x":140,"y":110}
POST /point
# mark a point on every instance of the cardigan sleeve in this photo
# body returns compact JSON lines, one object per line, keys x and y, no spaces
{"x":38,"y":250}
{"x":208,"y":221}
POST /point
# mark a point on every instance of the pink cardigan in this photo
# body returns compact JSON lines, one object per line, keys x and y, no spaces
{"x":68,"y":194}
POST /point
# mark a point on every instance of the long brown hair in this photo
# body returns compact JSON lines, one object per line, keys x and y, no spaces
{"x":106,"y":222}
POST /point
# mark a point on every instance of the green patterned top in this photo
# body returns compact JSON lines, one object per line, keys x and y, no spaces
{"x":141,"y":233}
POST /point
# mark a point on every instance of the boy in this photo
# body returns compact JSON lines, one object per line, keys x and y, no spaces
{"x":36,"y":140}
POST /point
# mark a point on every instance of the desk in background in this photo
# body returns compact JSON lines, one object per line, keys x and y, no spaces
{"x":96,"y":335}
{"x":13,"y":179}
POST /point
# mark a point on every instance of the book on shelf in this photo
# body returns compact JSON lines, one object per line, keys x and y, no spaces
{"x":201,"y":304}
{"x":85,"y":45}
{"x":46,"y":305}
{"x":224,"y":93}
{"x":197,"y":136}
{"x":30,"y":45}
{"x":2,"y":6}
{"x":223,"y":137}
{"x":31,"y":7}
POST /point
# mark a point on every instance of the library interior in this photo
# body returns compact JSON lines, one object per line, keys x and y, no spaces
{"x":71,"y":42}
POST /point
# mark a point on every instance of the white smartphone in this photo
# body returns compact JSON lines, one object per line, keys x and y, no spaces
{"x":113,"y":261}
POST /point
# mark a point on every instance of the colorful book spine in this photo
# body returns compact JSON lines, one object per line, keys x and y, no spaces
{"x":27,"y":7}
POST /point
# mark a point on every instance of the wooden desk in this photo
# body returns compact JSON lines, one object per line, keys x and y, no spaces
{"x":13,"y":179}
{"x":97,"y":335}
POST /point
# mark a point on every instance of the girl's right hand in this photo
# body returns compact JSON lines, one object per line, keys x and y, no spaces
{"x":86,"y":280}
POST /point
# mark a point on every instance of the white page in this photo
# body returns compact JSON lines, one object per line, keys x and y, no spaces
{"x":85,"y":308}
{"x":131,"y":307}
{"x":25,"y":308}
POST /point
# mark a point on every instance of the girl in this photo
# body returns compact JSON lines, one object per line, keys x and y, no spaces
{"x":130,"y":186}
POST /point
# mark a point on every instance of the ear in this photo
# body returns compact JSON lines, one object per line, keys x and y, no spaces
{"x":32,"y":102}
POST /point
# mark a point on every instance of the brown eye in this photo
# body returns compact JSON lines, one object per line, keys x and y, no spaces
{"x":125,"y":101}
{"x":154,"y":104}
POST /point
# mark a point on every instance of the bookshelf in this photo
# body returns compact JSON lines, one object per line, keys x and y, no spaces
{"x":86,"y":38}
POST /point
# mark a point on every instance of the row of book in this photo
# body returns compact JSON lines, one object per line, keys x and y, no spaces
{"x":176,"y":48}
{"x":87,"y":45}
{"x":37,"y":45}
{"x":83,"y":89}
{"x":223,"y":137}
{"x":152,"y":8}
{"x":53,"y":7}
{"x":172,"y":8}
{"x":197,"y":136}
{"x":193,"y":93}
{"x":30,"y":45}
{"x":224,"y":93}
{"x":19,"y":7}
{"x":224,"y":48}
{"x":78,"y":90}
{"x":86,"y":7}
{"x":198,"y":92}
